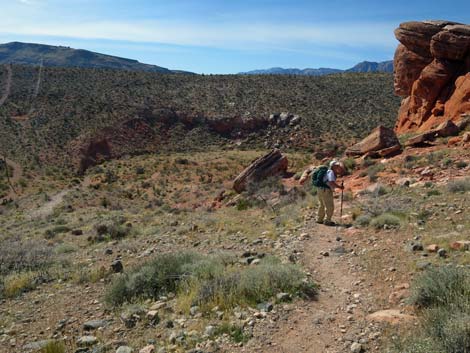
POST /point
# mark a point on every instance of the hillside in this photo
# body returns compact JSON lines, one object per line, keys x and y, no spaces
{"x":365,"y":66}
{"x":49,"y":115}
{"x":58,"y":56}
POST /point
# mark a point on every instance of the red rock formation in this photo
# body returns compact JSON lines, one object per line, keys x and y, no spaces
{"x":432,"y":74}
{"x":381,"y":141}
{"x":271,"y":164}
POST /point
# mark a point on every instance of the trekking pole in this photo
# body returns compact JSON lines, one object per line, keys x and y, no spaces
{"x":341,"y":208}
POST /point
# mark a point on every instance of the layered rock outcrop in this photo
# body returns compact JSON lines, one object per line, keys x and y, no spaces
{"x":381,"y":142}
{"x":432,"y":74}
{"x":272,"y":164}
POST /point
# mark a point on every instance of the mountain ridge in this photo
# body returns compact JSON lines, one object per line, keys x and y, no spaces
{"x":20,"y":53}
{"x":364,"y":66}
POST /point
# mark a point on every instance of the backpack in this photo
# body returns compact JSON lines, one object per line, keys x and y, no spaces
{"x":318,"y":177}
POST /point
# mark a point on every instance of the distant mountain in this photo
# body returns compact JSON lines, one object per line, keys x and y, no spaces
{"x":58,"y":56}
{"x":365,"y":66}
{"x":370,"y":66}
{"x":305,"y":72}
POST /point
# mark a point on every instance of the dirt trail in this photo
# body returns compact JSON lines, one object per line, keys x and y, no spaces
{"x":48,"y":208}
{"x":337,"y":318}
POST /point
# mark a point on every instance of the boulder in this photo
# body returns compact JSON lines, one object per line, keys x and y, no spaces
{"x":381,"y":139}
{"x":432,"y":74}
{"x":446,"y":129}
{"x":391,"y":316}
{"x":272,"y":164}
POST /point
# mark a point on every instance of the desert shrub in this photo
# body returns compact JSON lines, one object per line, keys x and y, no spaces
{"x":112,"y":229}
{"x":16,"y":283}
{"x":462,"y":185}
{"x":349,"y":164}
{"x":157,"y":277}
{"x":380,"y":190}
{"x":244,"y":204}
{"x":443,"y":295}
{"x":373,"y":170}
{"x":252,"y":285}
{"x":139,"y":170}
{"x":93,"y":275}
{"x":206,"y":280}
{"x":433,"y":192}
{"x":368,"y":162}
{"x":65,"y":248}
{"x":441,"y":286}
{"x":235,"y":332}
{"x":363,"y":220}
{"x":446,"y":162}
{"x":18,"y":256}
{"x":54,"y":347}
{"x":386,"y":220}
{"x":461,"y":164}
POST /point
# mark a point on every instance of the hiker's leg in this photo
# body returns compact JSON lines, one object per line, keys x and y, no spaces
{"x":321,"y":205}
{"x":329,"y":204}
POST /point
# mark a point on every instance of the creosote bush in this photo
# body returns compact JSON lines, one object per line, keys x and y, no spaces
{"x":386,"y":220}
{"x":462,"y":185}
{"x":208,"y":281}
{"x":443,"y":296}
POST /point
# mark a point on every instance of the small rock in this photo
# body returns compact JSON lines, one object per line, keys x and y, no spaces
{"x":432,"y":248}
{"x":460,"y":245}
{"x":265,"y":307}
{"x":442,"y":253}
{"x":93,"y":325}
{"x":77,"y":232}
{"x":124,"y":349}
{"x":194,"y":310}
{"x":356,"y":348}
{"x":87,"y":341}
{"x":209,"y":330}
{"x":283,"y":297}
{"x":148,"y":349}
{"x":117,"y":266}
{"x":108,"y":251}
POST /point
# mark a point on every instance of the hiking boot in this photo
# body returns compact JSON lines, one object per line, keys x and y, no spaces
{"x":329,"y":223}
{"x":319,"y":222}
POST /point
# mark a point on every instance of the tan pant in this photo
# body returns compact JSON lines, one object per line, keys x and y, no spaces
{"x":326,"y":204}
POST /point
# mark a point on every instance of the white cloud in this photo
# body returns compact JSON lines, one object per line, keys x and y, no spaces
{"x":224,"y":35}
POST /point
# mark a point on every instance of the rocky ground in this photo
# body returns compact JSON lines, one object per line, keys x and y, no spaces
{"x":364,"y":272}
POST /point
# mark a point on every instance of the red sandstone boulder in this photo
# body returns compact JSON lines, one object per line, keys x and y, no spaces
{"x":381,"y":140}
{"x":408,"y":66}
{"x":272,"y":164}
{"x":432,"y":74}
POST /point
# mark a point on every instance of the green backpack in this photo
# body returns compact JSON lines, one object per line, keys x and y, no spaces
{"x":318,"y":177}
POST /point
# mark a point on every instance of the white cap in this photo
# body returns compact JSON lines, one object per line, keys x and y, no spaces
{"x":334,"y":162}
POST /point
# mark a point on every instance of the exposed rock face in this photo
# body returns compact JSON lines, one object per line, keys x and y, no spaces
{"x":447,"y":128}
{"x":432,"y":74}
{"x":382,"y":141}
{"x":271,"y":164}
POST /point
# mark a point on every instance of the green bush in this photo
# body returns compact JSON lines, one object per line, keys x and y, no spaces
{"x":462,"y":185}
{"x":373,"y":170}
{"x":461,"y":164}
{"x":363,"y":220}
{"x":386,"y":219}
{"x":54,"y":347}
{"x":349,"y":164}
{"x":443,"y":295}
{"x":441,"y":286}
{"x":202,"y":280}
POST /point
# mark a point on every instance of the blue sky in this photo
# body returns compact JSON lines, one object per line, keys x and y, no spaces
{"x":209,"y":36}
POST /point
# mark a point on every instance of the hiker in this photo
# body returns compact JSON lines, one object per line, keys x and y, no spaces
{"x":324,"y":179}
